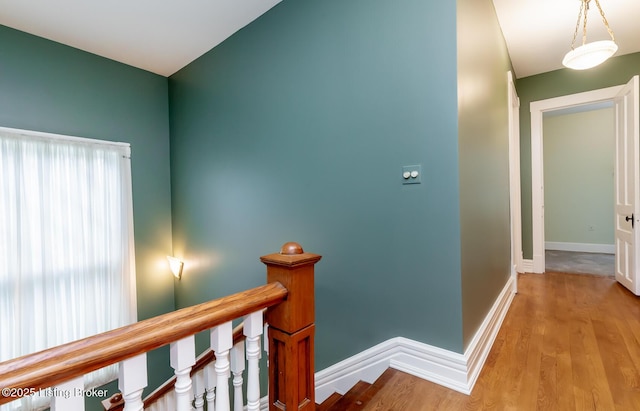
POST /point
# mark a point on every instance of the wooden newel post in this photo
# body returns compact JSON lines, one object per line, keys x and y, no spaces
{"x":291,"y":330}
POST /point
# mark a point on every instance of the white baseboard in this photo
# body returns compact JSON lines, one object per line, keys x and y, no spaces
{"x":581,"y":247}
{"x":527,"y":266}
{"x":366,"y":366}
{"x":478,"y":350}
{"x":450,"y":369}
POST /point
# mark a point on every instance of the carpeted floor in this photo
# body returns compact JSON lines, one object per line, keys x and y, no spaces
{"x":580,"y":263}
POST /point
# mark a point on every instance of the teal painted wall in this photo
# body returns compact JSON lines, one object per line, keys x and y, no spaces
{"x":483,"y":63}
{"x":45,"y":86}
{"x":614,"y":72}
{"x":296,"y":128}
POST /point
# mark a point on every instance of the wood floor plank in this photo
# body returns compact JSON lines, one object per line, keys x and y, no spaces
{"x":564,"y":372}
{"x":329,"y":402}
{"x":367,"y":395}
{"x":551,"y":346}
{"x":622,"y":375}
{"x":630,"y":339}
{"x":397,"y":394}
{"x":569,"y":342}
{"x":350,"y":398}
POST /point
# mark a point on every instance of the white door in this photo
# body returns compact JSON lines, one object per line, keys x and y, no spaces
{"x":627,"y":177}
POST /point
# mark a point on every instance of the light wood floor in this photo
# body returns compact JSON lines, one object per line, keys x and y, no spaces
{"x":569,"y":342}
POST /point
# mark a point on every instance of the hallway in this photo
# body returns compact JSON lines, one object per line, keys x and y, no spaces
{"x":569,"y":342}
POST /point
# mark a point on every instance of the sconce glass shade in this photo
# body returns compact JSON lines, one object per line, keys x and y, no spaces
{"x":176,"y":266}
{"x":589,"y":55}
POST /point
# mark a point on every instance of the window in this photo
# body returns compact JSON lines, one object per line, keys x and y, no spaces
{"x":66,"y":244}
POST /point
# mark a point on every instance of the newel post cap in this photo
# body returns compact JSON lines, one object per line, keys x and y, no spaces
{"x":291,"y":248}
{"x":291,"y":255}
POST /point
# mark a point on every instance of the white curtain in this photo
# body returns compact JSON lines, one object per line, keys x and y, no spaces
{"x":66,"y":244}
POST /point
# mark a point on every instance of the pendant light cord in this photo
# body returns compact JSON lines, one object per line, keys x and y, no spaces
{"x":575,"y":32}
{"x":584,"y":8}
{"x":604,"y":20}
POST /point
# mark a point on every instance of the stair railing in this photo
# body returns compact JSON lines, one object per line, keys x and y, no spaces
{"x":288,"y":298}
{"x":163,"y":397}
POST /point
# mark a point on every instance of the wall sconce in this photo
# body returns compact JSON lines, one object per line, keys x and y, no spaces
{"x":176,"y":266}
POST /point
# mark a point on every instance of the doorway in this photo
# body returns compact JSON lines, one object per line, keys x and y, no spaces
{"x":579,"y":165}
{"x":538,"y":108}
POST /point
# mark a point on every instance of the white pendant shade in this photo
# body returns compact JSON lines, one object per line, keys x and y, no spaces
{"x":589,"y":55}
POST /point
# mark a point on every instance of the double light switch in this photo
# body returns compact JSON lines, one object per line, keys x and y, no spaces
{"x":411,"y":174}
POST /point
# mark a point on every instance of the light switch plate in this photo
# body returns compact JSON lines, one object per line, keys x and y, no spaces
{"x":411,"y":170}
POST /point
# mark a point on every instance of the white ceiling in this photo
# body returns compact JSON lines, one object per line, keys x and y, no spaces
{"x":162,"y":36}
{"x":539,"y":32}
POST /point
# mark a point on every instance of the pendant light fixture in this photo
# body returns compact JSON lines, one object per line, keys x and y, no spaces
{"x":589,"y":55}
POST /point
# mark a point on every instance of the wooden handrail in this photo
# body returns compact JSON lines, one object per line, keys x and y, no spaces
{"x":202,"y":361}
{"x":59,"y":364}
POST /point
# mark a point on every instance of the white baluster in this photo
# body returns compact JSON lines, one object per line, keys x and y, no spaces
{"x":221,"y":343}
{"x":160,"y":405}
{"x":237,"y":368}
{"x":183,"y":357}
{"x":266,"y":342}
{"x":132,"y":380}
{"x":68,"y":396}
{"x":210,"y":385}
{"x":265,"y":347}
{"x":199,"y":390}
{"x":253,"y":327}
{"x":171,"y":401}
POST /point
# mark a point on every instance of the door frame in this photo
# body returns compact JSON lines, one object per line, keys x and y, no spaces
{"x":538,"y":108}
{"x":515,"y":203}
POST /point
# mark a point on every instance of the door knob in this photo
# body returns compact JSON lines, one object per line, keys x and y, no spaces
{"x":627,"y":218}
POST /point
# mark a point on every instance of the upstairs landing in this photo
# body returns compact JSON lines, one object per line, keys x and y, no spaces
{"x":568,"y":342}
